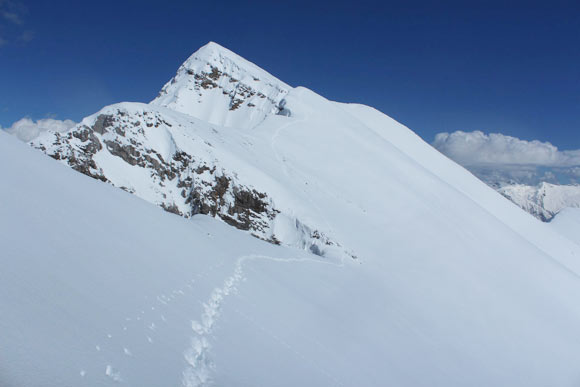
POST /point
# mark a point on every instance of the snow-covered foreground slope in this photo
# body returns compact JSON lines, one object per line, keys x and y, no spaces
{"x":102,"y":288}
{"x":567,"y":223}
{"x":453,"y":285}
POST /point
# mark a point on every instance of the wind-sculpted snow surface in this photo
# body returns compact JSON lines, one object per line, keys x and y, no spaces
{"x":453,"y":285}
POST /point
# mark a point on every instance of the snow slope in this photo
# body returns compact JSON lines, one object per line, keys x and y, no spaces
{"x":113,"y":290}
{"x":101,"y":287}
{"x":453,"y":285}
{"x":567,"y":222}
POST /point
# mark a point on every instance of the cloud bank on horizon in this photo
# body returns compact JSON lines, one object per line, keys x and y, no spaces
{"x":497,"y":158}
{"x":27,"y":130}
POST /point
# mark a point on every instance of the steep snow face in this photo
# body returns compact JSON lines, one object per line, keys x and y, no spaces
{"x":459,"y":180}
{"x":543,"y":201}
{"x":220,"y":87}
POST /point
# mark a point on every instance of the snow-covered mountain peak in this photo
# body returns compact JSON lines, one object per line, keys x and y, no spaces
{"x":219,"y":86}
{"x":228,"y":61}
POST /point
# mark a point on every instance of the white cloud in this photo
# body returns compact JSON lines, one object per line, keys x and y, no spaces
{"x":575,"y":171}
{"x":26,"y":129}
{"x":480,"y":149}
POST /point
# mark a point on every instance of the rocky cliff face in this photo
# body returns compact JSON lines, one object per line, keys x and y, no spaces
{"x":132,"y":146}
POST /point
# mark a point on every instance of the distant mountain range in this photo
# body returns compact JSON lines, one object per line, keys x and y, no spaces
{"x":542,"y":199}
{"x":545,"y":200}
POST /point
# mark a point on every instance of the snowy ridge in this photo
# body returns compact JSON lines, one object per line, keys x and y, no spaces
{"x":222,"y":88}
{"x":543,"y":201}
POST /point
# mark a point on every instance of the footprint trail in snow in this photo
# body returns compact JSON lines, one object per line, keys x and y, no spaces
{"x":199,"y":364}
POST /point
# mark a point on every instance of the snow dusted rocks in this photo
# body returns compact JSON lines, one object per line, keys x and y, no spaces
{"x":132,"y":146}
{"x":182,"y":164}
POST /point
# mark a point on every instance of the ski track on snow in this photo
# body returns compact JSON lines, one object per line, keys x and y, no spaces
{"x":200,"y":367}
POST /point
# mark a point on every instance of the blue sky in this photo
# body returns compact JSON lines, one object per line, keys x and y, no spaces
{"x":436,"y":67}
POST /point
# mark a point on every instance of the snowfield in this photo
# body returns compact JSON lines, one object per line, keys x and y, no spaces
{"x":395,"y":266}
{"x":567,"y":222}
